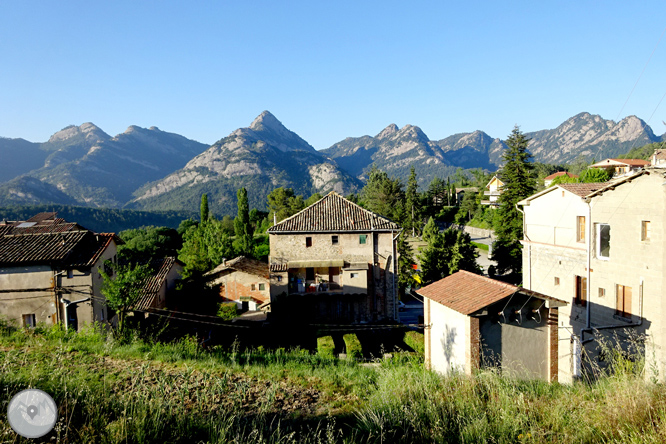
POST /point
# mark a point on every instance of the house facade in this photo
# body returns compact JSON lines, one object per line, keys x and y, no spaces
{"x":50,"y":272}
{"x":476,"y":322}
{"x":334,"y":262}
{"x":493,"y":191}
{"x":621,"y":166}
{"x":600,"y":247}
{"x":242,"y":280}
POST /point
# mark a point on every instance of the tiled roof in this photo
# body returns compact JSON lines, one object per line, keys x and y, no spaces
{"x":558,"y":174}
{"x":333,"y":213}
{"x":39,"y":248}
{"x":582,"y":189}
{"x":242,"y":263}
{"x":468,"y":293}
{"x":618,"y":162}
{"x":633,"y":162}
{"x":153,"y":284}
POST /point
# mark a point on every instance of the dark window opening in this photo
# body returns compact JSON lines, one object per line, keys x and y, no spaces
{"x":309,"y":274}
{"x":581,"y":291}
{"x":603,"y":240}
{"x":308,"y":241}
{"x":334,"y":240}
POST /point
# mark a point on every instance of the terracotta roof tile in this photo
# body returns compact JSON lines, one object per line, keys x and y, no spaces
{"x":468,"y":293}
{"x":242,"y":263}
{"x":558,"y":174}
{"x":582,"y":189}
{"x":334,"y":213}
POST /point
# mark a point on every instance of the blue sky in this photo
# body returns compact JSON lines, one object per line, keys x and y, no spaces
{"x":327,"y":70}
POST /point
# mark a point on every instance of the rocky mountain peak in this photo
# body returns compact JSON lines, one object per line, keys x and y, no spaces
{"x":414,"y":132}
{"x":87,"y":130}
{"x":267,"y":121}
{"x":388,"y":131}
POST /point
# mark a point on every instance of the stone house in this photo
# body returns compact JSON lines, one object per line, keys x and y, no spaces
{"x":658,"y":158}
{"x":241,"y":280}
{"x":600,"y":247}
{"x":493,"y":191}
{"x":621,"y":166}
{"x":334,"y":262}
{"x":476,"y":322}
{"x":167,"y":273}
{"x":50,"y":271}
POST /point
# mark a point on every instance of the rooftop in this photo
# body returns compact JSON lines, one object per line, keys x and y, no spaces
{"x":152,"y":285}
{"x":241,"y":263}
{"x":468,"y":293}
{"x":333,"y":213}
{"x":558,"y":174}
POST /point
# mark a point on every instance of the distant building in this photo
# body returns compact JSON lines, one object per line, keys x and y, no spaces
{"x":549,"y":180}
{"x":476,"y":322}
{"x":493,"y":191}
{"x":659,"y":158}
{"x":50,"y":271}
{"x":334,"y":262}
{"x":621,"y":166}
{"x":460,"y":193}
{"x":241,"y":280}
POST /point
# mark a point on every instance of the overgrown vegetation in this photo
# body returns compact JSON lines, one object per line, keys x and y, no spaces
{"x":150,"y":392}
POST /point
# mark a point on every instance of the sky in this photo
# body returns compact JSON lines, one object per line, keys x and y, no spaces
{"x":328,"y":70}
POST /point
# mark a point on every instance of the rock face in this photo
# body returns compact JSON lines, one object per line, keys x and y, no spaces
{"x":396,"y":150}
{"x":590,"y":136}
{"x":261,"y":157}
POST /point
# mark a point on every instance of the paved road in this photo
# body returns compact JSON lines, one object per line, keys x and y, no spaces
{"x":412,"y":312}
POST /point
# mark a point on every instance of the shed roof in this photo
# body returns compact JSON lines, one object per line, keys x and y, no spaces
{"x":333,"y":213}
{"x":468,"y":293}
{"x":151,"y":287}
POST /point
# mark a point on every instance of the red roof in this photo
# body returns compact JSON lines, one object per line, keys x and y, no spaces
{"x":633,"y":162}
{"x":468,"y":293}
{"x":560,"y":173}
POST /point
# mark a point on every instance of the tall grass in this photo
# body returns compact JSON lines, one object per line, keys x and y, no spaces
{"x":143,"y":392}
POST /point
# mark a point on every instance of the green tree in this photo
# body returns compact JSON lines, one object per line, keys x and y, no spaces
{"x":204,"y":212}
{"x":383,"y":195}
{"x":412,"y":204}
{"x":242,"y":226}
{"x":316,"y":197}
{"x":430,"y":230}
{"x":468,"y":207}
{"x":124,"y":290}
{"x":405,"y":261}
{"x":143,"y":244}
{"x":518,"y":184}
{"x":463,"y":254}
{"x":282,"y":203}
{"x":436,"y":256}
{"x":204,"y":247}
{"x":594,"y":175}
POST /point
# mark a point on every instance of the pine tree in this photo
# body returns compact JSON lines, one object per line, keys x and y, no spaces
{"x":519,"y":183}
{"x":242,"y":225}
{"x":405,"y":261}
{"x":463,"y":254}
{"x":204,"y":213}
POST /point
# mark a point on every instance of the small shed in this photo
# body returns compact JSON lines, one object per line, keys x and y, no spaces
{"x":476,"y":322}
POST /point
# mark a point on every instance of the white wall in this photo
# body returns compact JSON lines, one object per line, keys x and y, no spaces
{"x":448,"y":339}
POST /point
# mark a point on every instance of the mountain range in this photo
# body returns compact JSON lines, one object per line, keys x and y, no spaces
{"x":152,"y":169}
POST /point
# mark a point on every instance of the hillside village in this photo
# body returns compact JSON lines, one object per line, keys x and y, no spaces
{"x":335,"y":266}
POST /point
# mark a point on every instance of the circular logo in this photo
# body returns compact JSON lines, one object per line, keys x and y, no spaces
{"x":32,"y":413}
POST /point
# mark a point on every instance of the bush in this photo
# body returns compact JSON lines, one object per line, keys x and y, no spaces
{"x":227,"y":310}
{"x":353,"y":345}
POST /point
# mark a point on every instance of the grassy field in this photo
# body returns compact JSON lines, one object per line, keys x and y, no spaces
{"x":140,"y":392}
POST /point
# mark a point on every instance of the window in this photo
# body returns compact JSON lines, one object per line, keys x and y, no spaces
{"x":70,"y":273}
{"x":580,"y":291}
{"x":645,"y":230}
{"x":602,"y":292}
{"x":580,"y":229}
{"x":29,"y":320}
{"x":603,"y":241}
{"x":252,"y":287}
{"x":309,"y":274}
{"x":362,"y":238}
{"x":557,"y":281}
{"x":623,"y":301}
{"x":279,"y":278}
{"x":353,"y":275}
{"x":308,"y":241}
{"x":262,"y":287}
{"x":334,"y":240}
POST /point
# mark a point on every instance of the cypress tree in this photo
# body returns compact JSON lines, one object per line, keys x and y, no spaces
{"x":204,"y":213}
{"x":242,"y":225}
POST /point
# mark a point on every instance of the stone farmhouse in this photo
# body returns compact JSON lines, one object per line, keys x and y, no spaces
{"x":477,"y":322}
{"x":334,"y":262}
{"x":600,"y":247}
{"x":243,"y":281}
{"x":50,"y":271}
